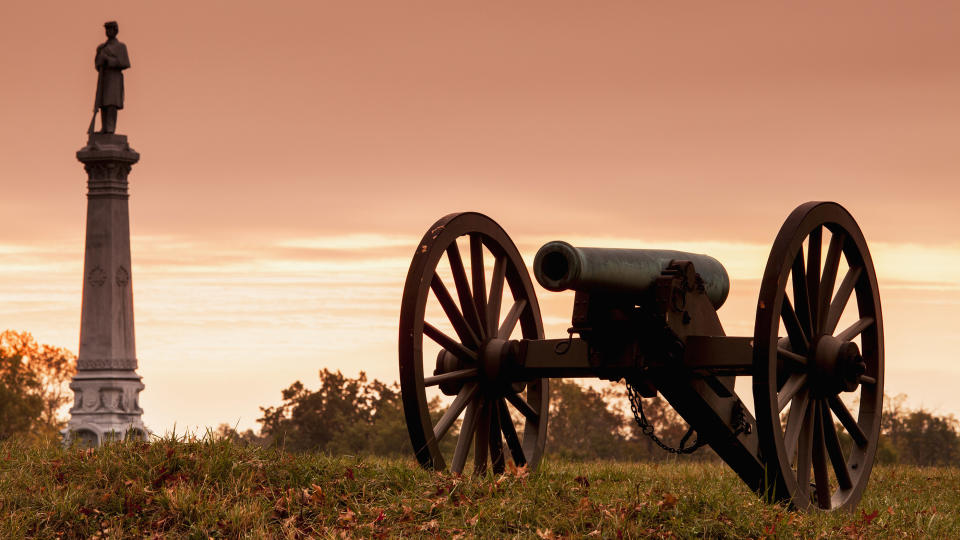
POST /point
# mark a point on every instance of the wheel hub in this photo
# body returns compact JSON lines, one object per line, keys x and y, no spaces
{"x":493,"y":355}
{"x":836,"y":365}
{"x":447,"y":362}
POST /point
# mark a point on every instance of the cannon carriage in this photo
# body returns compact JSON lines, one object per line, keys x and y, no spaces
{"x":649,"y":317}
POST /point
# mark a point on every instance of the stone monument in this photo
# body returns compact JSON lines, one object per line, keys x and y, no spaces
{"x":106,"y":387}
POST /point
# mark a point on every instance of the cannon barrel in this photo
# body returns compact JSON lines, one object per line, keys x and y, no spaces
{"x":559,"y":266}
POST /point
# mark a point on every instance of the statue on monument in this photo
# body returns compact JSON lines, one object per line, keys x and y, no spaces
{"x":110,"y":61}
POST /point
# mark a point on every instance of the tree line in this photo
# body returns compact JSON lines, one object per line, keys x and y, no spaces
{"x":346,"y":415}
{"x":359,"y":416}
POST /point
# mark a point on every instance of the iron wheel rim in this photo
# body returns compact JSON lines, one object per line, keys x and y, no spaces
{"x":780,"y":379}
{"x":486,"y":404}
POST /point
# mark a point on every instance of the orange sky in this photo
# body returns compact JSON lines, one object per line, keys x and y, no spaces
{"x":269,"y":132}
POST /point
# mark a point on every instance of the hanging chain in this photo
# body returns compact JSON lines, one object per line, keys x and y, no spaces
{"x":636,"y":405}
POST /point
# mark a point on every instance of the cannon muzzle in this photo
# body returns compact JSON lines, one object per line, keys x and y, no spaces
{"x":559,"y":266}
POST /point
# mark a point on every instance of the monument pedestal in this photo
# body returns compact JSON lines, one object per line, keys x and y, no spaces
{"x":106,"y":386}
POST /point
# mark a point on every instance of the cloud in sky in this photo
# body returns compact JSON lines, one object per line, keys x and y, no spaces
{"x":221,"y":330}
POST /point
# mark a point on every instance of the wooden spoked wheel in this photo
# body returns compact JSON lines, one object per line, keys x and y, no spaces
{"x":809,"y":378}
{"x":453,"y":342}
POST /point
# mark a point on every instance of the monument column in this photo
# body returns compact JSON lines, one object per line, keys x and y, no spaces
{"x":106,"y":387}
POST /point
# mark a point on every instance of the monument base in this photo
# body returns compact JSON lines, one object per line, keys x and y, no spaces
{"x":106,"y":407}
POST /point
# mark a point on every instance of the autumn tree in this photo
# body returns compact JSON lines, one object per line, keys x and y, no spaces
{"x":33,"y":386}
{"x":595,"y":422}
{"x":917,"y":436}
{"x":343,"y":416}
{"x":582,"y":424}
{"x":226,"y":431}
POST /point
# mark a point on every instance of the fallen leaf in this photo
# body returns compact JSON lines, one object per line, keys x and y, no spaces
{"x":346,"y":516}
{"x":473,"y":521}
{"x":317,"y":495}
{"x":516,"y":472}
{"x":668,"y":501}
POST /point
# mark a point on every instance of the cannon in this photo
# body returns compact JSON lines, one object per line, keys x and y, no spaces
{"x":471,"y":334}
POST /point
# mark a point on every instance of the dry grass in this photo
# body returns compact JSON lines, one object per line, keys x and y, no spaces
{"x":218,"y":489}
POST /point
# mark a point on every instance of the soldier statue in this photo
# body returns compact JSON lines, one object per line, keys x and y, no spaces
{"x":110,"y":62}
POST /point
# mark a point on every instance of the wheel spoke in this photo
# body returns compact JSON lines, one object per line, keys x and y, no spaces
{"x":855,"y":329}
{"x":448,"y":343}
{"x":510,"y":434}
{"x":795,"y":420}
{"x":467,"y":305}
{"x":453,"y":376}
{"x":523,"y":407}
{"x":482,"y":440}
{"x":466,"y":437}
{"x":496,"y":293}
{"x":479,"y":279}
{"x":510,"y":321}
{"x":804,"y":450}
{"x":794,"y":384}
{"x":496,"y":440}
{"x":800,"y":295}
{"x":453,"y":313}
{"x":798,"y":360}
{"x":798,"y":339}
{"x":840,"y":300}
{"x":847,"y":420}
{"x":453,"y":411}
{"x":834,"y":450}
{"x":814,"y":244}
{"x":820,"y":477}
{"x":830,"y":267}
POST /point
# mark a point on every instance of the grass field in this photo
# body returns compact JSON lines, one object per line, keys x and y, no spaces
{"x":201,"y":489}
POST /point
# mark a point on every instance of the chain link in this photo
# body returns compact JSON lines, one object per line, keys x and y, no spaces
{"x":636,"y":406}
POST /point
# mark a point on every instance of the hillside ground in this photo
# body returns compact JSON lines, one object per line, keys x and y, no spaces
{"x":219,"y":489}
